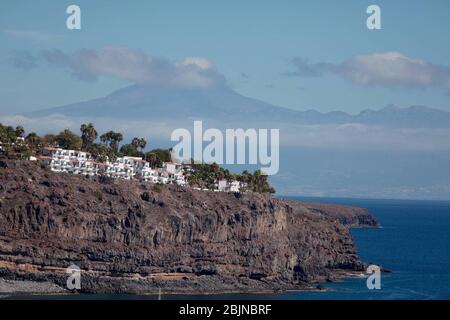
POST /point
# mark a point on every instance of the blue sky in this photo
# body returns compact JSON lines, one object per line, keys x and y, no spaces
{"x":251,"y":43}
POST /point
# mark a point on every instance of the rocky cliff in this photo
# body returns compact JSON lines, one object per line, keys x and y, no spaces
{"x":128,"y":236}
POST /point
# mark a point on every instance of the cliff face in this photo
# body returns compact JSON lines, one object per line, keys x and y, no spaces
{"x":128,"y":236}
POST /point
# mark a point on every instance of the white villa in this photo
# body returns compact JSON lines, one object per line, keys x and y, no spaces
{"x":70,"y":161}
{"x":174,"y":172}
{"x":227,"y":186}
{"x":128,"y":168}
{"x":149,"y":174}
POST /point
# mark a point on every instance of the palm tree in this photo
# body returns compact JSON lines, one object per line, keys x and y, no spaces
{"x":116,"y":138}
{"x":153,"y":159}
{"x":106,"y":137}
{"x":33,"y":139}
{"x":139,"y":143}
{"x":20,"y":131}
{"x":88,"y":135}
{"x":112,"y":139}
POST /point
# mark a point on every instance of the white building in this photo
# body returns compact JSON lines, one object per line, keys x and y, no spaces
{"x":149,"y":175}
{"x":163,"y":177}
{"x":225,"y":186}
{"x":128,"y":168}
{"x":179,"y":179}
{"x":172,"y":167}
{"x":125,"y":168}
{"x":221,"y":185}
{"x":69,"y":161}
{"x":173,"y":172}
{"x":235,"y":186}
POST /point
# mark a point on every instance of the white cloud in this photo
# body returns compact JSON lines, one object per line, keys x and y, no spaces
{"x":389,"y":69}
{"x":202,"y":63}
{"x":134,"y":66}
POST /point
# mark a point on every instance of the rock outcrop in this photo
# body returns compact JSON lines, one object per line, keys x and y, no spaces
{"x":128,"y":236}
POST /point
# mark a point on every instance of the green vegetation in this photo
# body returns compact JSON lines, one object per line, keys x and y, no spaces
{"x":157,"y":156}
{"x":139,"y":143}
{"x":134,"y":149}
{"x":204,"y":175}
{"x":34,"y":140}
{"x":112,"y":139}
{"x":101,"y":152}
{"x":11,"y":142}
{"x":14,"y":144}
{"x":69,"y":140}
{"x":88,"y":135}
{"x":158,"y":188}
{"x":130,"y":150}
{"x":257,"y":182}
{"x":9,"y":135}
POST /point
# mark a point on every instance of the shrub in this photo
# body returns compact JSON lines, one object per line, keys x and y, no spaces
{"x":158,"y":188}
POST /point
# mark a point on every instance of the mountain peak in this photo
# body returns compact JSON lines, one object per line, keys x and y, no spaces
{"x":221,"y":103}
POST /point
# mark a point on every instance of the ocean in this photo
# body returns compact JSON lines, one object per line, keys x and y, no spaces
{"x":413,"y":242}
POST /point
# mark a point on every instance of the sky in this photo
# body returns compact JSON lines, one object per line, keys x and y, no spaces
{"x":297,"y":54}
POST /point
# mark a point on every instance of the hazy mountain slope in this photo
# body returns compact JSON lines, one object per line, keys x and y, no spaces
{"x":223,"y":104}
{"x":138,"y":102}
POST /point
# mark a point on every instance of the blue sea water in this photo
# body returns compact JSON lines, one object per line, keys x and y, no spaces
{"x":414,"y":243}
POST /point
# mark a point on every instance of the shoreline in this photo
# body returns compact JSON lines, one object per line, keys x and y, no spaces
{"x":50,"y":289}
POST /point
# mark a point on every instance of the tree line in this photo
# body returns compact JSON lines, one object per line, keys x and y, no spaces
{"x":204,"y":176}
{"x":17,"y":144}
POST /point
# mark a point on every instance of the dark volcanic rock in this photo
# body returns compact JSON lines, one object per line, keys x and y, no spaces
{"x":131,"y":237}
{"x":349,"y":216}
